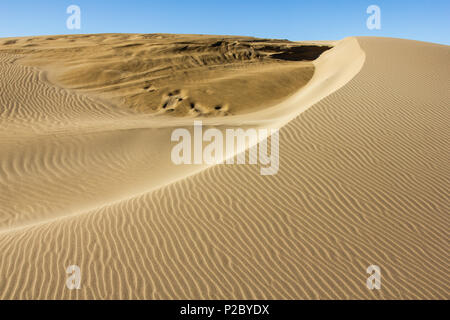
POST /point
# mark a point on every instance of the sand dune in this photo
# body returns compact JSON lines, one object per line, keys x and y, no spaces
{"x":186,"y":75}
{"x":86,"y":176}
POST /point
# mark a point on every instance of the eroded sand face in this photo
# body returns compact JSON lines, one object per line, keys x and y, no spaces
{"x":181,"y":75}
{"x":363,"y":179}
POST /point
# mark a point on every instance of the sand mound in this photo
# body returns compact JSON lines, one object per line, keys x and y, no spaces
{"x":363,"y":180}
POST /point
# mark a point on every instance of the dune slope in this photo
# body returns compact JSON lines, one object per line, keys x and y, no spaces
{"x":363,"y":179}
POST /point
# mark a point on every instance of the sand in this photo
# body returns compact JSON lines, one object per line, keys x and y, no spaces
{"x":86,"y":176}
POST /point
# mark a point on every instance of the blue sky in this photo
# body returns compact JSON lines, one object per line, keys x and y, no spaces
{"x":288,"y":19}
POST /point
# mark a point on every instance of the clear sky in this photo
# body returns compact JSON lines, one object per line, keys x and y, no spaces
{"x":285,"y":19}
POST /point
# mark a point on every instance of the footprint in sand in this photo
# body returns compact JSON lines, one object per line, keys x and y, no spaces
{"x":172,"y":100}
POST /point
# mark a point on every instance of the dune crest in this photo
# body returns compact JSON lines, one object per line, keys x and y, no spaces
{"x":74,"y":134}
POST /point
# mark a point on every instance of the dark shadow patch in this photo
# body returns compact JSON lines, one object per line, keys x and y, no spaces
{"x":217,"y":44}
{"x":129,"y":45}
{"x":301,"y":53}
{"x":8,"y":42}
